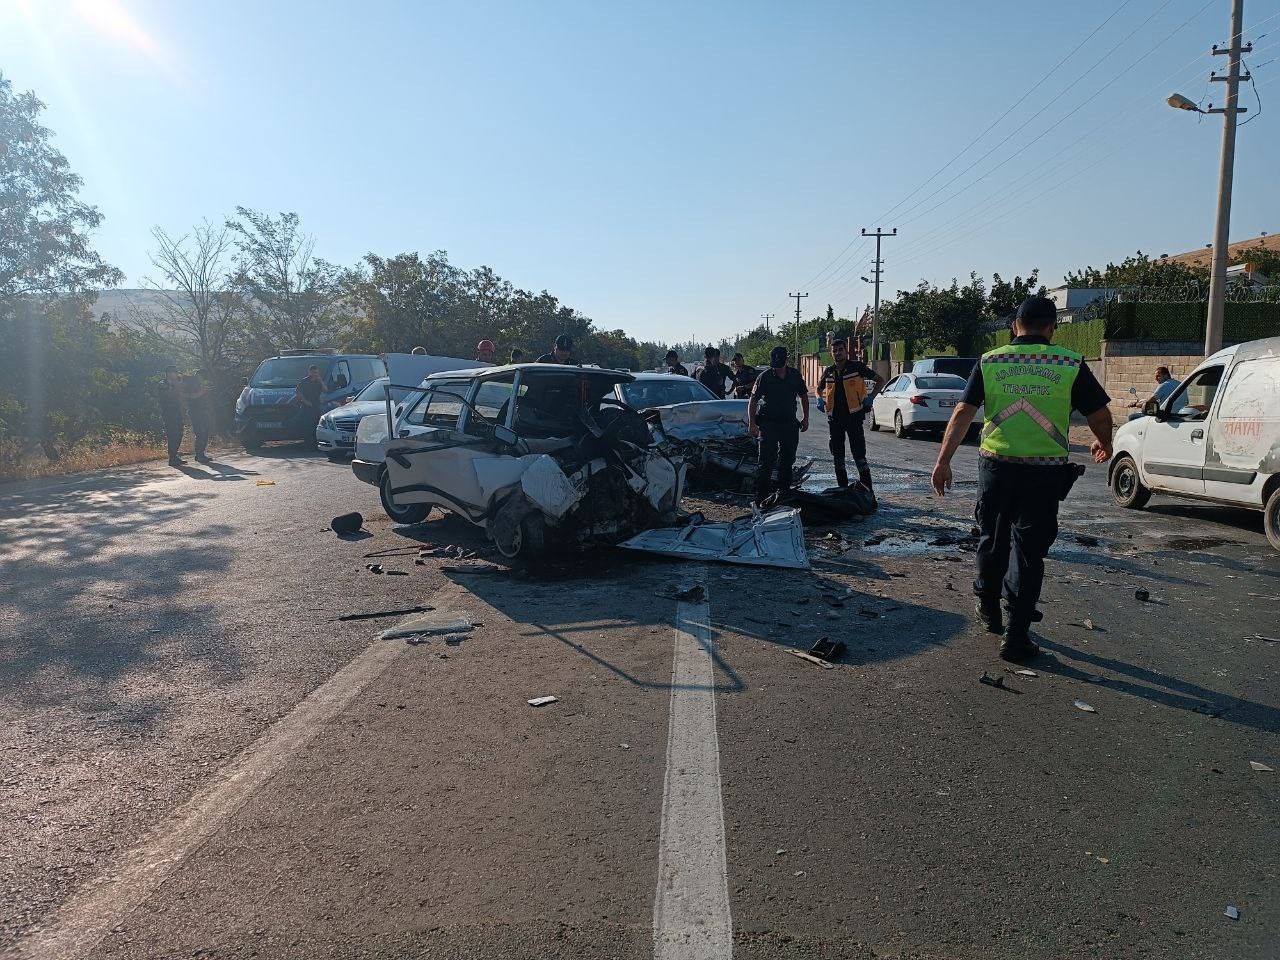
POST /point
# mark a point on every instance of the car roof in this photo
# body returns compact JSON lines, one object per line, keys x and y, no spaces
{"x":652,"y":375}
{"x":322,"y":356}
{"x":533,"y":369}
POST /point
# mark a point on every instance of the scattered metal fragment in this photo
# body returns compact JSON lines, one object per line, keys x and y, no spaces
{"x":429,"y":624}
{"x":1081,"y":705}
{"x":375,"y":614}
{"x":1232,"y":912}
{"x":543,"y":701}
{"x":1258,"y":636}
{"x":373,"y":567}
{"x":811,"y":658}
{"x":1260,"y":767}
{"x":1025,"y":673}
{"x":1088,"y":624}
{"x":996,"y":681}
{"x":826,"y":649}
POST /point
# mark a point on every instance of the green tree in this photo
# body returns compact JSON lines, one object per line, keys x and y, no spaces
{"x":295,"y":299}
{"x":72,"y":375}
{"x":1138,"y":270}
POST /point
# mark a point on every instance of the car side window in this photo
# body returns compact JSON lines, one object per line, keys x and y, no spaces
{"x":340,"y":376}
{"x":492,"y":399}
{"x":1194,"y":398}
{"x":419,"y":409}
{"x":892,"y":385}
{"x":444,"y":407}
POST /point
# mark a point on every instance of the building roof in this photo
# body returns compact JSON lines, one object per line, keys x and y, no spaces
{"x":1201,"y":257}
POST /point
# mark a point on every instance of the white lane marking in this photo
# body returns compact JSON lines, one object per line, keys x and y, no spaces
{"x":691,"y":918}
{"x":105,"y":902}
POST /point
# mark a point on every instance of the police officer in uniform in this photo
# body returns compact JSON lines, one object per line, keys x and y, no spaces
{"x":714,"y":373}
{"x":842,"y":389}
{"x":672,"y":360}
{"x":771,"y":416}
{"x":1029,"y":388}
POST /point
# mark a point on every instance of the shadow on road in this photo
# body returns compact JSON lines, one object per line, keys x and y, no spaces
{"x":80,"y":612}
{"x":1157,"y":687}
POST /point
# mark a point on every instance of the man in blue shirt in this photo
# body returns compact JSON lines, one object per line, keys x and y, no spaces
{"x":1165,"y":386}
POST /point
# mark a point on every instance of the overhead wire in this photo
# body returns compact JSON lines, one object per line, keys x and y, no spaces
{"x":841,"y":256}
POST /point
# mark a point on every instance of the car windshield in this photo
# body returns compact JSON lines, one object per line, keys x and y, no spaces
{"x":283,"y":371}
{"x":946,"y":382}
{"x":374,"y":391}
{"x":660,"y":393}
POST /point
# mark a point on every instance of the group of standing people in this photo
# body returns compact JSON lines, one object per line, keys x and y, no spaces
{"x":1028,"y":390}
{"x":185,"y":398}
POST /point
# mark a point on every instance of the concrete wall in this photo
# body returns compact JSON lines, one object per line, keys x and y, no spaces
{"x":1132,"y":363}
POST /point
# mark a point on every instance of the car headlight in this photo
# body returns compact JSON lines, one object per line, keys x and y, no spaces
{"x":327,"y":422}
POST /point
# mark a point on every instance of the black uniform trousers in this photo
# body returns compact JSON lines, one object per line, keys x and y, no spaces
{"x":200,"y":427}
{"x":849,"y":426}
{"x":778,"y":444}
{"x":172,"y":432}
{"x":1017,"y":514}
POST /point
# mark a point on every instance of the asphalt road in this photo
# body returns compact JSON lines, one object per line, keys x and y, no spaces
{"x":199,"y":759}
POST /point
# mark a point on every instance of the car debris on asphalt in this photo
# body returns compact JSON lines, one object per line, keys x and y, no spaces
{"x":543,"y":701}
{"x":811,"y":659}
{"x":346,"y":524}
{"x":1087,"y":708}
{"x":433,"y":623}
{"x":774,"y":539}
{"x":1260,"y":767}
{"x":376,"y":614}
{"x":1232,"y":912}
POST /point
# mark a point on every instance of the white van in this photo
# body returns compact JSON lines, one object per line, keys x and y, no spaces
{"x":1216,"y":438}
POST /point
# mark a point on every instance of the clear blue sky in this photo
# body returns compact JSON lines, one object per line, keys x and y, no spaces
{"x":673,"y":169}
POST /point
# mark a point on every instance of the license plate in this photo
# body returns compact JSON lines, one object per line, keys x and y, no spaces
{"x":946,"y":403}
{"x":270,"y":424}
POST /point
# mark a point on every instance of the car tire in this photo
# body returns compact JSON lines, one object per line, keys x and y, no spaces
{"x":1271,"y":518}
{"x":899,"y":428}
{"x":335,"y":457}
{"x":405,"y":513}
{"x":874,"y":425}
{"x":1127,"y":488}
{"x":528,"y":540}
{"x":250,"y":439}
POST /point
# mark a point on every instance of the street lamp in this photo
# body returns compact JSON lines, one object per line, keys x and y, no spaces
{"x":1222,"y":224}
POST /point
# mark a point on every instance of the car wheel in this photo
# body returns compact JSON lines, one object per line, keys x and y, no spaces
{"x":899,"y":428}
{"x":1127,"y":488}
{"x":250,"y":439}
{"x":404,"y":513}
{"x":527,"y":539}
{"x":1271,"y":518}
{"x":874,"y":425}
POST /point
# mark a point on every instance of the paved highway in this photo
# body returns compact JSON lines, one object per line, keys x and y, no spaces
{"x":199,"y":759}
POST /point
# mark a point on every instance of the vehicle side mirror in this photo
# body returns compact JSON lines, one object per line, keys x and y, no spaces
{"x":505,"y":435}
{"x":1152,"y":409}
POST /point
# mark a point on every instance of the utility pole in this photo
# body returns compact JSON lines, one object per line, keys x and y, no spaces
{"x":1222,"y":225}
{"x":796,"y":356}
{"x":766,"y":317}
{"x":875,"y":313}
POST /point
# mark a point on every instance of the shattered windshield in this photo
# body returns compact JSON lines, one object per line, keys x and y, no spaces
{"x":283,"y":371}
{"x":661,"y":393}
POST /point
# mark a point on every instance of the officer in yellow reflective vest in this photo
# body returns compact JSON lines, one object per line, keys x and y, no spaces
{"x":843,"y":389}
{"x":1029,"y":389}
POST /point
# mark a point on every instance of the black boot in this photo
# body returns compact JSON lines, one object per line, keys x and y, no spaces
{"x":989,"y":615}
{"x":1017,"y":645}
{"x":864,"y":478}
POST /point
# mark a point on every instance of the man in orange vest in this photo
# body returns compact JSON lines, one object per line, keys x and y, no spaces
{"x":842,"y":390}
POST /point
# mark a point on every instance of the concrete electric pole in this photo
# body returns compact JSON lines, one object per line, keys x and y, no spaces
{"x":766,"y":317}
{"x":875,"y":313}
{"x":796,"y":357}
{"x":1222,"y":224}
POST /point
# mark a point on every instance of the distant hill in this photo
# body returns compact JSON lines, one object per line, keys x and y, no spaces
{"x":121,"y":302}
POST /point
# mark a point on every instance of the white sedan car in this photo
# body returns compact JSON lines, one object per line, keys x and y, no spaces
{"x":912,"y":401}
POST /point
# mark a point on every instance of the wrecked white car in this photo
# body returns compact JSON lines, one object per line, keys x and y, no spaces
{"x":711,"y":437}
{"x":538,"y":455}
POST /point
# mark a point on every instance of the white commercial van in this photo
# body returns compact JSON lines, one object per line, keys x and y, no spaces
{"x":1216,"y":438}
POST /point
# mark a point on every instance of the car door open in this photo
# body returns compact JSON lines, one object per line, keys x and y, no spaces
{"x":1173,"y":450}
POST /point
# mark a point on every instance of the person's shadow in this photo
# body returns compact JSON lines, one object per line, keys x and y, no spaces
{"x":212,"y":470}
